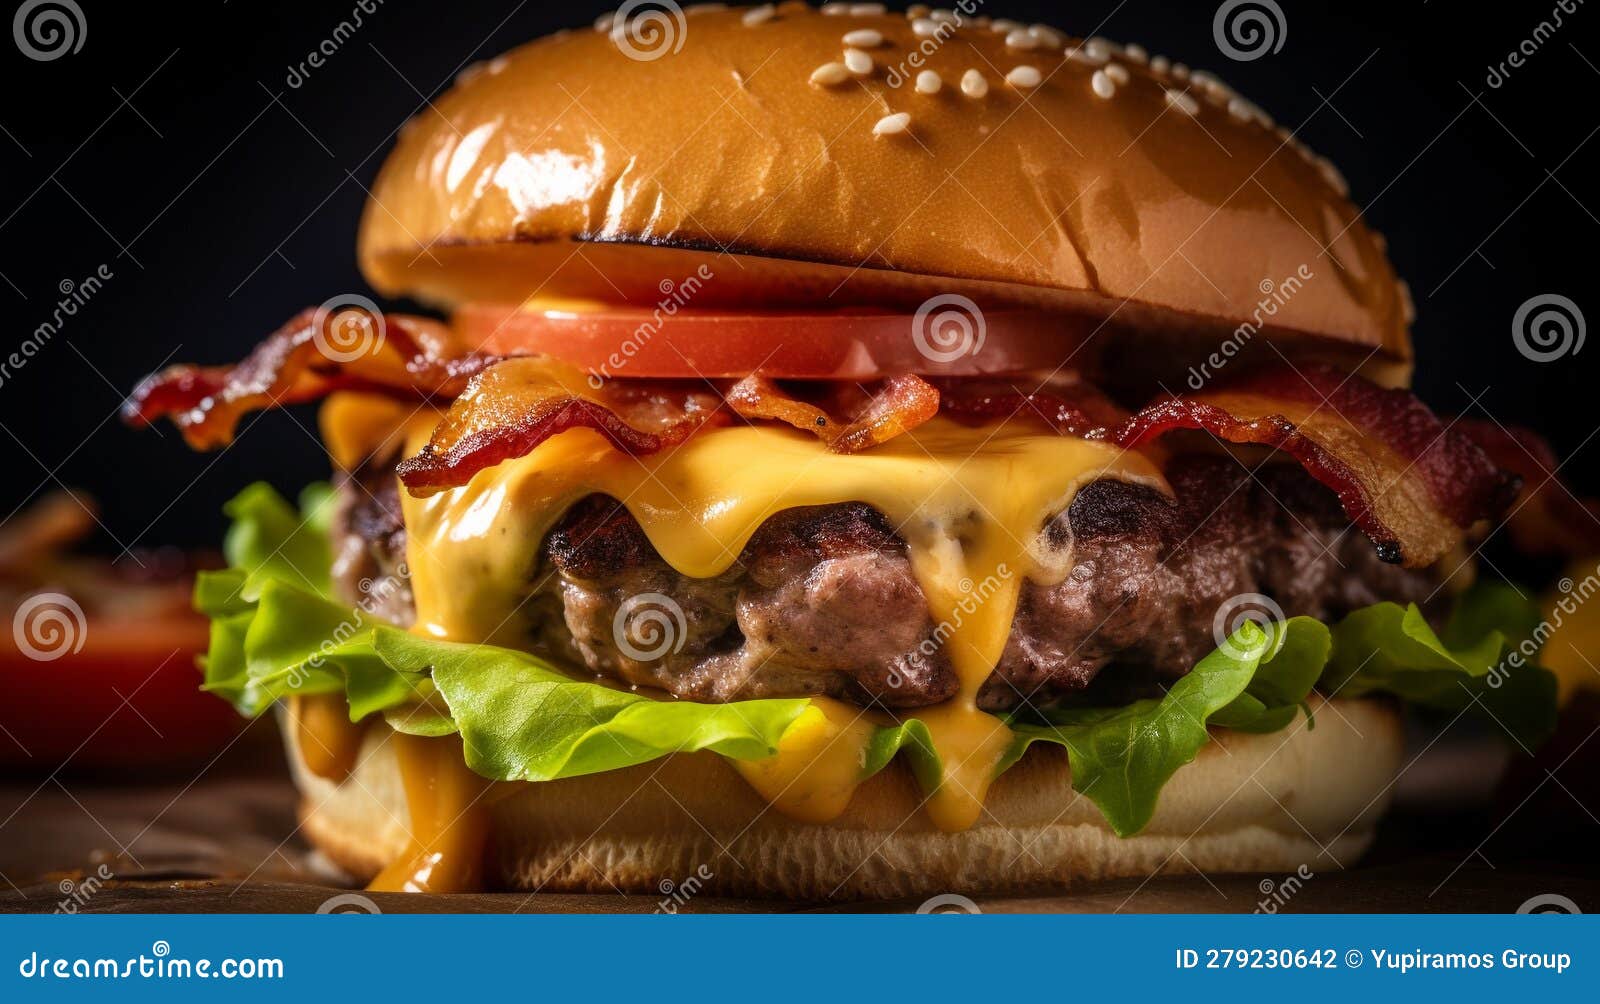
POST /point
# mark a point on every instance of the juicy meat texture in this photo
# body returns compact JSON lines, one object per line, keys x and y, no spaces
{"x":369,"y":545}
{"x":823,"y":600}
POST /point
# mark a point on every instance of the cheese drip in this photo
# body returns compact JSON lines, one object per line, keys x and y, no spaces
{"x":969,"y":502}
{"x":328,"y":741}
{"x":821,"y":761}
{"x":449,"y":820}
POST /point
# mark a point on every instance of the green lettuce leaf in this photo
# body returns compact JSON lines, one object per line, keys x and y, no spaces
{"x":912,"y":738}
{"x":523,"y":720}
{"x":1122,"y":757}
{"x":276,"y":632}
{"x":1386,"y":648}
{"x":270,"y":539}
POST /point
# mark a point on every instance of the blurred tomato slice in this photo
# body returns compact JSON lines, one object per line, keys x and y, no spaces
{"x":108,"y":693}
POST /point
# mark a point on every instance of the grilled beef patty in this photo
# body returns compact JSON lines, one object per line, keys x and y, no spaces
{"x":823,"y":599}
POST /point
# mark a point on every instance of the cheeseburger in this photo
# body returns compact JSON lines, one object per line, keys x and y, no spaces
{"x":855,"y":454}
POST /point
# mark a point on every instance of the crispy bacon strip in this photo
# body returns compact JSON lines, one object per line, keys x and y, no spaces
{"x":869,"y":418}
{"x":510,"y":408}
{"x":316,"y":353}
{"x":1064,"y":402}
{"x":1547,"y":518}
{"x":1410,"y":483}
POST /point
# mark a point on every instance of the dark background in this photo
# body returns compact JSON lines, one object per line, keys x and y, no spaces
{"x":171,"y":150}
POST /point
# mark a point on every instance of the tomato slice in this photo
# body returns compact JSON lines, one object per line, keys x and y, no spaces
{"x":949,"y":336}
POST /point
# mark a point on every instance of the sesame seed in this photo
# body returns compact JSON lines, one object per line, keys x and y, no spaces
{"x":924,"y":27}
{"x":891,"y":125}
{"x":863,"y":38}
{"x":944,"y":15}
{"x":1047,"y":35}
{"x":973,"y":85}
{"x":1021,"y":39}
{"x":1160,"y":64}
{"x":866,"y":9}
{"x":757,"y":15}
{"x":603,"y":22}
{"x":835,"y":9}
{"x":1099,"y":48}
{"x":916,"y":10}
{"x":1102,"y":85}
{"x":1241,"y":109}
{"x":1136,"y":53}
{"x":1183,"y":102}
{"x":1217,"y":89}
{"x":857,"y":62}
{"x":829,"y":74}
{"x":1024,"y":77}
{"x":1180,"y":72}
{"x":929,"y":82}
{"x":1118,"y":73}
{"x":704,"y":8}
{"x":1078,"y":54}
{"x":1004,"y":26}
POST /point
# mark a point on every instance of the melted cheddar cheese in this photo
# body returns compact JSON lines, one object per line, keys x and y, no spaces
{"x":449,"y":823}
{"x":329,"y":743}
{"x":821,"y":760}
{"x":970,"y":502}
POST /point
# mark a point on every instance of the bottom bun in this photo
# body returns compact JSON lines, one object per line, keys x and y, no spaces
{"x":689,"y":824}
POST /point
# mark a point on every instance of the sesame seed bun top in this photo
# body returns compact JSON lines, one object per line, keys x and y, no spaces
{"x":845,"y":156}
